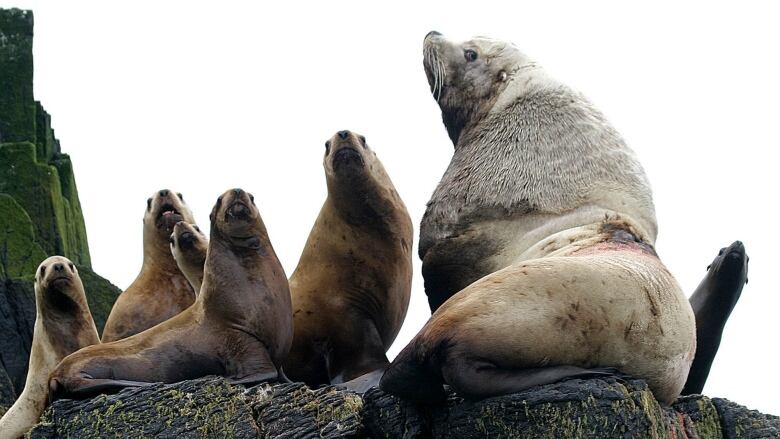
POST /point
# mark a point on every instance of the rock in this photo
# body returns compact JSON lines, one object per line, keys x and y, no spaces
{"x":40,"y":211}
{"x":210,"y":407}
{"x":7,"y":394}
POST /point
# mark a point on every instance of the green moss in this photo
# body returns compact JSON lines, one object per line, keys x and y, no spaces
{"x":17,"y":107}
{"x":19,"y":253}
{"x":101,"y":295}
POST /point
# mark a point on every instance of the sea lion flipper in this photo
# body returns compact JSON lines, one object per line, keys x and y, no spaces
{"x":253,"y":365}
{"x":87,"y":387}
{"x":480,"y":379}
{"x":364,"y":382}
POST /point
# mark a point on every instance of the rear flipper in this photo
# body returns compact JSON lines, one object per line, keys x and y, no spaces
{"x":712,"y":303}
{"x":408,"y":378}
{"x":364,"y":382}
{"x":477,"y":379}
{"x":87,"y":387}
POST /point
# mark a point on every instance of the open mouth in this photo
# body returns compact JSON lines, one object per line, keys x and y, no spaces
{"x":347,"y":157}
{"x":168,"y":216}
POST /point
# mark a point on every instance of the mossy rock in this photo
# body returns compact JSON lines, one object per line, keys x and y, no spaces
{"x":17,"y":107}
{"x":19,"y":253}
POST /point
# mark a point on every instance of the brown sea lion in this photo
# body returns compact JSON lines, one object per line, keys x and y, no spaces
{"x":351,"y":289}
{"x":63,"y":324}
{"x":538,"y":241}
{"x":160,"y":291}
{"x":712,"y":303}
{"x":188,"y":247}
{"x":240,"y":326}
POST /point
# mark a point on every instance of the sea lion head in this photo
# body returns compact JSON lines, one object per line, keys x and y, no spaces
{"x":188,"y":247}
{"x":467,"y":78}
{"x":731,"y":266}
{"x":187,"y":239}
{"x":163,"y":210}
{"x":58,"y":285}
{"x":235,"y":219}
{"x":348,"y":157}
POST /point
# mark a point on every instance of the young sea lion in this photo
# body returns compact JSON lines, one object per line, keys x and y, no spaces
{"x":351,"y":289}
{"x":63,"y":324}
{"x":160,"y":291}
{"x":239,"y":327}
{"x":188,"y":246}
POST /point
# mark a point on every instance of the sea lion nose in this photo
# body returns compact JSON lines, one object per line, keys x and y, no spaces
{"x":432,"y":33}
{"x":59,"y":267}
{"x":238,"y":191}
{"x":343,"y":134}
{"x":164,"y":193}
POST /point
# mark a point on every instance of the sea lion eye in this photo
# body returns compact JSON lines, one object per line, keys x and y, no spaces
{"x":362,"y":140}
{"x":327,"y":147}
{"x":71,"y":266}
{"x":470,"y":55}
{"x":43,"y":270}
{"x":252,"y":198}
{"x":181,"y":197}
{"x":148,"y":203}
{"x":197,"y":228}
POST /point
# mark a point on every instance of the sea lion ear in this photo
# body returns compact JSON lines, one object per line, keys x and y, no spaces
{"x":502,"y":76}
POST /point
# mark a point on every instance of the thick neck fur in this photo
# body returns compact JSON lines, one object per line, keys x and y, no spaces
{"x":157,"y":252}
{"x":543,"y":149}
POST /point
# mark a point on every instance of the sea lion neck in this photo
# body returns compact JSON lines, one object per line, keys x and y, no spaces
{"x":157,"y":252}
{"x":364,"y":202}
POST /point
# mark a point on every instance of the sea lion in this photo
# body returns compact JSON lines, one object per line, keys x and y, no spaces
{"x":240,"y":326}
{"x":351,"y":289}
{"x":63,"y":324}
{"x":188,"y":247}
{"x":538,"y":241}
{"x":712,"y":303}
{"x":160,"y":291}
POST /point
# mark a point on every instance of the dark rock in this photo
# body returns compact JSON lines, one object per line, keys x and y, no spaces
{"x":572,"y":409}
{"x":295,"y":411}
{"x":7,"y":394}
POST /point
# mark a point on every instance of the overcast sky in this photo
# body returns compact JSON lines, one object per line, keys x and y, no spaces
{"x":200,"y":97}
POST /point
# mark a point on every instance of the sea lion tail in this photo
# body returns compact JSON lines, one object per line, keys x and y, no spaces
{"x":410,"y":377}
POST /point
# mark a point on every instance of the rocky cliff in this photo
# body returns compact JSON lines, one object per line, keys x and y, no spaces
{"x":40,"y":211}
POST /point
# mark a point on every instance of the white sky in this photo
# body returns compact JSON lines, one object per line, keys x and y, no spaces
{"x":200,"y":97}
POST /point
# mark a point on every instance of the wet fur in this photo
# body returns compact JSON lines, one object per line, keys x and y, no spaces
{"x":63,"y":325}
{"x":351,"y":289}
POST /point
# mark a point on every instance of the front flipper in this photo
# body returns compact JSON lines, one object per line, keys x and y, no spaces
{"x":477,"y":379}
{"x":251,"y":364}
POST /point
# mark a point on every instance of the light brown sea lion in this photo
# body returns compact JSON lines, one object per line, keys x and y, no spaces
{"x":63,"y":324}
{"x":538,"y":241}
{"x":240,"y":326}
{"x":160,"y":291}
{"x":188,"y":246}
{"x":351,"y":289}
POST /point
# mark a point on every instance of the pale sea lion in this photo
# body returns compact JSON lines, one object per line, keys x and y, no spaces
{"x":712,"y":303}
{"x":188,"y":247}
{"x":160,"y":291}
{"x":351,"y":289}
{"x":240,"y":326}
{"x":541,"y":236}
{"x":63,"y":324}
